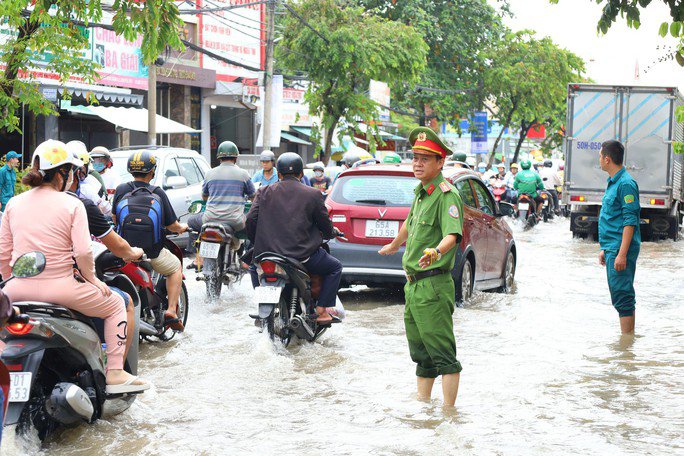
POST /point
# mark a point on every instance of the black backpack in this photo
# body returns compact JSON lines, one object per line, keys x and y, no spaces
{"x":139,"y":217}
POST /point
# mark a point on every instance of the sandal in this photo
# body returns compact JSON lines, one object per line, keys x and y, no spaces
{"x":193,"y":266}
{"x":128,"y":387}
{"x":173,"y":322}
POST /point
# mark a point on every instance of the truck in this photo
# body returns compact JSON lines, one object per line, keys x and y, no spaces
{"x":643,"y":119}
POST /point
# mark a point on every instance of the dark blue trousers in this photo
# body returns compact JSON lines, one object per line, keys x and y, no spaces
{"x":323,"y":264}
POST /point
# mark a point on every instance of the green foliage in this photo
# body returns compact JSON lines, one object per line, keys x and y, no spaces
{"x":359,"y":47}
{"x":679,"y":116}
{"x":457,"y":33}
{"x":528,"y":79}
{"x":49,"y":28}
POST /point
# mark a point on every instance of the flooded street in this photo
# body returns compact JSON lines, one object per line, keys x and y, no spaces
{"x":545,"y":371}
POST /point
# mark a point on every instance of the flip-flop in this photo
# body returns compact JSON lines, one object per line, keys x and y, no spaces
{"x":193,"y":266}
{"x":173,"y":322}
{"x":127,"y":387}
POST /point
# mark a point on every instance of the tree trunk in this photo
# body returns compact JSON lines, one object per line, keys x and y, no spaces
{"x":12,"y":68}
{"x":505,"y":125}
{"x":423,"y":116}
{"x":524,"y":130}
{"x":329,"y":134}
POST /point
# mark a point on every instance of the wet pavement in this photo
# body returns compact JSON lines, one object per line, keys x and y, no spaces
{"x":545,"y":372}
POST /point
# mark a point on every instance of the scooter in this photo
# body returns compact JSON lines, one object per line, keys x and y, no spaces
{"x":547,"y":207}
{"x":286,"y":299}
{"x":56,"y":358}
{"x":220,"y":250}
{"x":499,"y":190}
{"x":527,"y":210}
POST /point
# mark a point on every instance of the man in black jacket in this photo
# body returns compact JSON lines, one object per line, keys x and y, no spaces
{"x":290,"y":219}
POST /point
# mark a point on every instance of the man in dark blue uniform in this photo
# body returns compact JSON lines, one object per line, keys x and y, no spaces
{"x":619,"y":233}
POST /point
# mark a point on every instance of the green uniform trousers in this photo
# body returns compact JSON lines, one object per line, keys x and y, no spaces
{"x":621,"y":283}
{"x":429,"y":325}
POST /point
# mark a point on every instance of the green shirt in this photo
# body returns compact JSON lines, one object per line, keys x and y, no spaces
{"x":527,"y":181}
{"x":8,"y":177}
{"x":437,"y":211}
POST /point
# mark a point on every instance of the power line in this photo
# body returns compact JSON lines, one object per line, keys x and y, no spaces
{"x":221,"y":8}
{"x":301,"y":19}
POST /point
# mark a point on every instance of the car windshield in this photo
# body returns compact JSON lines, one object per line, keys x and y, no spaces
{"x":375,"y":190}
{"x":120,"y":165}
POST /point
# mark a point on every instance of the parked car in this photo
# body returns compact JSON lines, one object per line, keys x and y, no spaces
{"x":180,"y":173}
{"x":369,"y":204}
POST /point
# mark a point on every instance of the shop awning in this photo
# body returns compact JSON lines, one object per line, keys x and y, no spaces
{"x":293,"y":139}
{"x":306,"y":131}
{"x":102,"y":93}
{"x":131,"y":119}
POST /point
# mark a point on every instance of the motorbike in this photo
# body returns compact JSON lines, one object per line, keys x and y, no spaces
{"x":150,"y":286}
{"x":527,"y":210}
{"x":547,"y":207}
{"x":220,"y":250}
{"x":56,"y":358}
{"x":286,"y":299}
{"x":499,"y":189}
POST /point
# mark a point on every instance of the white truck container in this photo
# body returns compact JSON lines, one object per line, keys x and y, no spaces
{"x":643,"y":119}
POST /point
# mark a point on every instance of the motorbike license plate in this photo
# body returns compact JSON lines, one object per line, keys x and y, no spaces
{"x":546,"y":204}
{"x":267,"y":295}
{"x":523,"y":207}
{"x":209,"y":250}
{"x":382,"y":228}
{"x":20,"y":386}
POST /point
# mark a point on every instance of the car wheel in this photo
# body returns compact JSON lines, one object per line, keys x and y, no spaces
{"x":508,"y":273}
{"x":464,"y":282}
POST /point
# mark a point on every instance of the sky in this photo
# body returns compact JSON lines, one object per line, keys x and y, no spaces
{"x":611,"y":58}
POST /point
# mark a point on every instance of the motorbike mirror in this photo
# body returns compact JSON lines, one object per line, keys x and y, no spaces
{"x":196,"y":207}
{"x":506,"y":209}
{"x":29,"y":265}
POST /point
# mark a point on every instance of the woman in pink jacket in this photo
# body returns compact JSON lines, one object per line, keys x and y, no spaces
{"x":47,"y":220}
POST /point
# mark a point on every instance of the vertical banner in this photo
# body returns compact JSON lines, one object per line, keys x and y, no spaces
{"x":380,"y":93}
{"x":276,"y":109}
{"x":478,"y":138}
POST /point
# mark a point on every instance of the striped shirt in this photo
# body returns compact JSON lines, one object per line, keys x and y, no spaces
{"x":226,"y":187}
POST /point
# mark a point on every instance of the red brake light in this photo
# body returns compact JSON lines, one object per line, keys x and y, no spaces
{"x":657,"y":202}
{"x":19,"y":329}
{"x":577,"y":198}
{"x":268,"y":267}
{"x":14,"y":367}
{"x":211,"y":236}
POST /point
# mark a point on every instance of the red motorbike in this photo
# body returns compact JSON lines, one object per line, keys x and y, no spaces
{"x":151,"y":287}
{"x":499,"y":190}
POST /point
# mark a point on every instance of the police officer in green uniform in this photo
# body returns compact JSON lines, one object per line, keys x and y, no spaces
{"x":432,"y":230}
{"x":619,"y":233}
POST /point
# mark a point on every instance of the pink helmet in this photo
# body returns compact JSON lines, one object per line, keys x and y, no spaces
{"x":561,"y":167}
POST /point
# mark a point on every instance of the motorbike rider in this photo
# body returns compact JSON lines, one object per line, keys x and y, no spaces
{"x":102,"y":163}
{"x":529,"y":183}
{"x":267,"y":175}
{"x":61,"y":234}
{"x":224,"y":189}
{"x":551,"y":181}
{"x":320,"y":181}
{"x":89,"y":187}
{"x":142,"y":165}
{"x":290,"y":219}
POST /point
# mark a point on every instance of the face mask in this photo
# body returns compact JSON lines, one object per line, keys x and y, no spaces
{"x":318,"y":173}
{"x":99,"y":167}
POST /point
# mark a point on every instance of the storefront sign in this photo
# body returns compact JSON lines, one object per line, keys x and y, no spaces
{"x":186,"y":75}
{"x":121,"y":60}
{"x":236,"y":34}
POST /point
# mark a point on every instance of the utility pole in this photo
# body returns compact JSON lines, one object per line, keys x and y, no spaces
{"x":152,"y":104}
{"x":268,"y":74}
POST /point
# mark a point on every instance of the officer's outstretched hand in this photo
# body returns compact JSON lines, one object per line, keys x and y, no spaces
{"x":602,"y":258}
{"x":388,"y":249}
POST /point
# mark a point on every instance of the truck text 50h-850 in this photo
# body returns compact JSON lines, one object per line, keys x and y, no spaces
{"x":643,"y":119}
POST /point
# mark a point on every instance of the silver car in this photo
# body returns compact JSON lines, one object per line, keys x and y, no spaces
{"x":180,"y":173}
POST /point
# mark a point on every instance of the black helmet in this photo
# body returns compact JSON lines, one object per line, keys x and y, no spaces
{"x":290,"y":163}
{"x":548,"y":164}
{"x":141,"y":162}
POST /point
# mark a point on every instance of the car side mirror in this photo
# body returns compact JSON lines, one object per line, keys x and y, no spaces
{"x":176,"y":182}
{"x":506,"y":209}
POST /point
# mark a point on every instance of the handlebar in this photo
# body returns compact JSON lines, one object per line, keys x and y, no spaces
{"x":18,"y":318}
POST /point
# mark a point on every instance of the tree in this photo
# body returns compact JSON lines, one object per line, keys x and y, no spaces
{"x":457,"y":33}
{"x":347,"y":48}
{"x":58,"y":30}
{"x":527,"y":79}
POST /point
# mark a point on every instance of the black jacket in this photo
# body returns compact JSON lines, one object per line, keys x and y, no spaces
{"x":288,"y":218}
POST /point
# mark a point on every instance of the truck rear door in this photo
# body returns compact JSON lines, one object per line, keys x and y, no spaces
{"x":646,"y":132}
{"x":593,"y":118}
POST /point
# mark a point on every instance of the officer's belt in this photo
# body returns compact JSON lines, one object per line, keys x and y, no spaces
{"x":423,"y":275}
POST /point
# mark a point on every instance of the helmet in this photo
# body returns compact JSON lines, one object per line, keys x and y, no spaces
{"x":352,"y":157}
{"x":561,"y":167}
{"x":290,"y":163}
{"x":391,"y":157}
{"x":227,"y":149}
{"x":548,"y":164}
{"x":459,"y":156}
{"x":99,"y":152}
{"x":318,"y":166}
{"x":501,"y":165}
{"x":141,"y":162}
{"x":79,"y":150}
{"x":471,"y":161}
{"x":525,"y":164}
{"x":267,"y":155}
{"x":514,"y":165}
{"x":482,"y":165}
{"x":53,"y":154}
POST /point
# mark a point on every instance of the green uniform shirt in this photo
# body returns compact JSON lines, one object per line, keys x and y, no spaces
{"x":8,"y":177}
{"x":528,"y":182}
{"x":620,"y":208}
{"x":437,"y":211}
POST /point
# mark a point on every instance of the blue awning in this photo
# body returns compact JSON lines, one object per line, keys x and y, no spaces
{"x":293,"y":139}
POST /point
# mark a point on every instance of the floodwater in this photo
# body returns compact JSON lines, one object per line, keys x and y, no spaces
{"x":545,"y":371}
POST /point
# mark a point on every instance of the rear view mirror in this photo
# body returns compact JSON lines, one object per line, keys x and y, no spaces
{"x":29,"y":265}
{"x":176,"y":182}
{"x":506,"y":209}
{"x":196,"y":207}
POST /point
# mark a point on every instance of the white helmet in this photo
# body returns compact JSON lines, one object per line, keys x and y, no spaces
{"x":470,"y":161}
{"x":53,"y":154}
{"x":80,"y":150}
{"x":482,"y":165}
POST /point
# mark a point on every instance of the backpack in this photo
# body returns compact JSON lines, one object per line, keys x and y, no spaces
{"x":139,"y":217}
